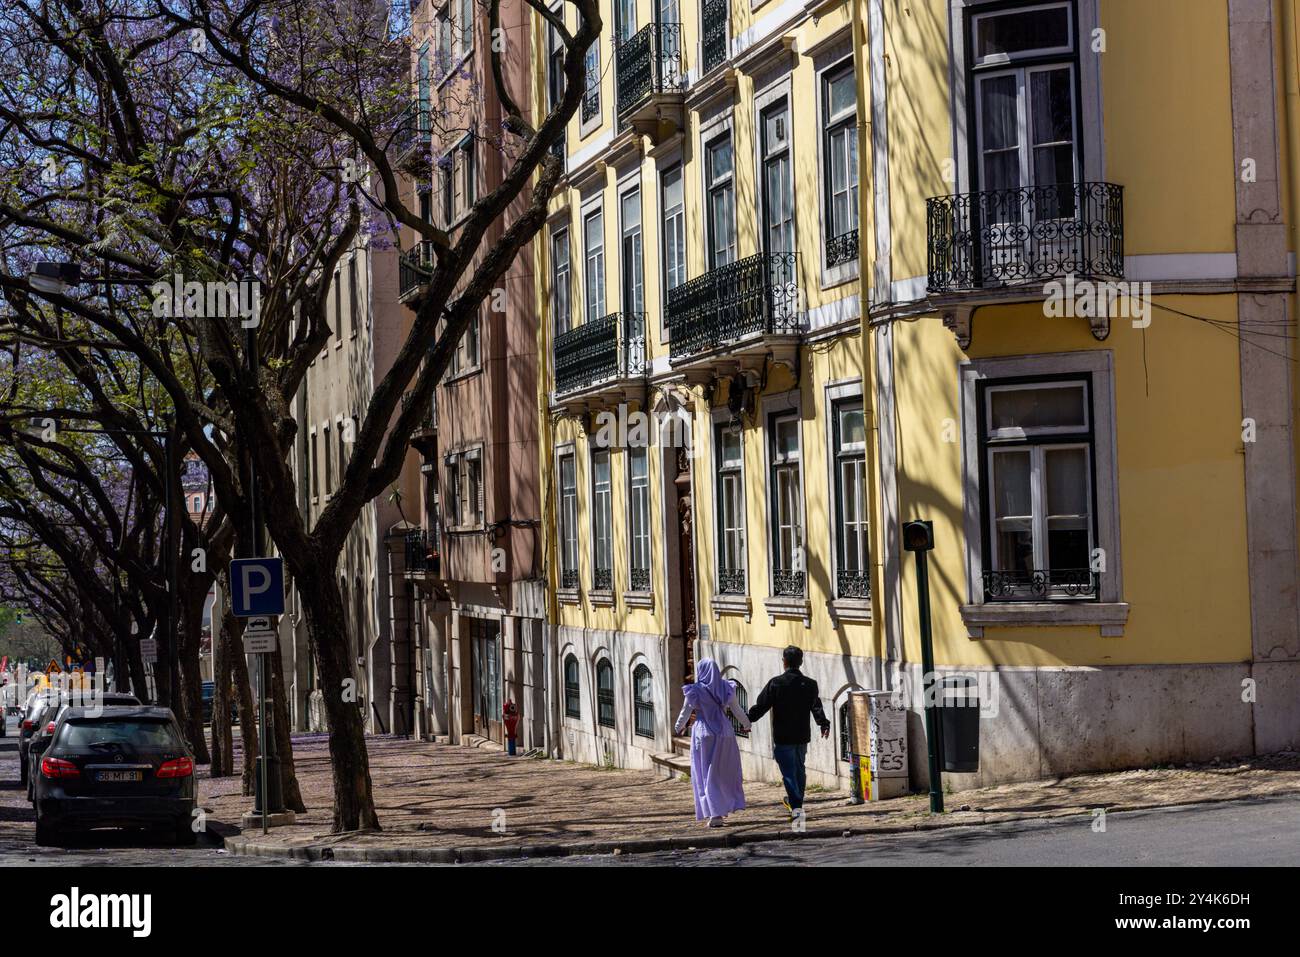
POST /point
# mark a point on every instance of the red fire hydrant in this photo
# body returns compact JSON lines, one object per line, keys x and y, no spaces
{"x":510,"y":714}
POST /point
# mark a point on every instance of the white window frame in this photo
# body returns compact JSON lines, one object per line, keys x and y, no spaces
{"x":1109,"y":611}
{"x":721,"y":423}
{"x":631,"y":186}
{"x":678,"y":167}
{"x":1089,"y":129}
{"x":727,"y":183}
{"x":567,"y":526}
{"x":560,"y":240}
{"x":608,"y":509}
{"x":835,"y":59}
{"x":638,"y":542}
{"x":589,"y":314}
{"x":788,"y":402}
{"x":585,"y":127}
{"x":847,"y":390}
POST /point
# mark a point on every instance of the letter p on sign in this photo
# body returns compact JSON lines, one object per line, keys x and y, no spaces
{"x":257,"y":587}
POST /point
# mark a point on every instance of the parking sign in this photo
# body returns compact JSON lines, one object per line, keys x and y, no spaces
{"x":257,"y":587}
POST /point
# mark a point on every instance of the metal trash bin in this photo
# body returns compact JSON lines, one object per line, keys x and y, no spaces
{"x":959,"y":723}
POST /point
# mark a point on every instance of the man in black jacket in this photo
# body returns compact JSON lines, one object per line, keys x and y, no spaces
{"x":792,"y":699}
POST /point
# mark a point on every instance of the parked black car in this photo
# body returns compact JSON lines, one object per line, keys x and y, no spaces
{"x":125,"y":767}
{"x":43,"y":726}
{"x":208,"y":694}
{"x":36,"y":702}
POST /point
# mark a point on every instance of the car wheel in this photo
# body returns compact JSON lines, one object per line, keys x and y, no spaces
{"x":185,"y":835}
{"x":47,"y":835}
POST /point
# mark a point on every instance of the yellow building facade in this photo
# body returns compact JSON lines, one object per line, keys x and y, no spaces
{"x":700,"y":292}
{"x":1021,"y":269}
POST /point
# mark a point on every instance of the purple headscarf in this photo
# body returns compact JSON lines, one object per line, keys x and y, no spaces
{"x":710,"y":693}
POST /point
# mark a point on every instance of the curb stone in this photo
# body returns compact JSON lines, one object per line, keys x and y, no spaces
{"x":237,"y":844}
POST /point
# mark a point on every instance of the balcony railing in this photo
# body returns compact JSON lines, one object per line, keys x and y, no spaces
{"x":759,"y":294}
{"x":609,"y":348}
{"x":421,"y":555}
{"x":414,"y":269}
{"x":852,"y":584}
{"x":842,"y":248}
{"x":428,"y":421}
{"x":1041,"y":584}
{"x":731,"y":581}
{"x":638,"y":579}
{"x":649,"y":61}
{"x":714,"y":45}
{"x":1025,"y":235}
{"x":786,"y":583}
{"x":412,"y":140}
{"x":569,"y":579}
{"x":591,"y":99}
{"x":602,"y":579}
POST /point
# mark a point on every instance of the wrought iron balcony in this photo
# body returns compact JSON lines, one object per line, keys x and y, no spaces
{"x":1041,"y":584}
{"x":610,"y":349}
{"x":758,"y":295}
{"x":591,"y":99}
{"x":731,"y":581}
{"x":639,"y":579}
{"x":786,"y":583}
{"x":842,"y":248}
{"x":569,"y":579}
{"x":414,"y":269}
{"x":421,"y":553}
{"x":412,"y":141}
{"x":1027,"y":235}
{"x":714,"y":45}
{"x":648,"y":62}
{"x":852,"y":584}
{"x":602,"y":579}
{"x":428,"y":421}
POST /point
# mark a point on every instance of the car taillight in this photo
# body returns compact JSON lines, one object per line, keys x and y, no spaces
{"x":49,"y":728}
{"x":59,"y":768}
{"x":176,"y":768}
{"x":27,"y":724}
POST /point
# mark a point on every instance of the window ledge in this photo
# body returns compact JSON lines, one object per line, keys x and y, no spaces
{"x":1110,"y":616}
{"x":785,"y":606}
{"x":731,"y":605}
{"x":569,"y":596}
{"x":601,"y":599}
{"x":639,"y":599}
{"x":849,"y":609}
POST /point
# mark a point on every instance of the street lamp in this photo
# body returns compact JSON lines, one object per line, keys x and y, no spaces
{"x":918,"y":537}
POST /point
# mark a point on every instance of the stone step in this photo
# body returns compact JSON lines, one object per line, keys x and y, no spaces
{"x":669,"y":766}
{"x":682,"y":745}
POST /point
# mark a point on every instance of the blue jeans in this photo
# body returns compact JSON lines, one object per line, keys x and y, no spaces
{"x":790,"y":758}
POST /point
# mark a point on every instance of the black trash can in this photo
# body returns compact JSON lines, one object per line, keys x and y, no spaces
{"x":959,"y":723}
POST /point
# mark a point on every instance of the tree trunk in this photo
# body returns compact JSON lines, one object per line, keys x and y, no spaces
{"x":190,"y":693}
{"x":289,"y":789}
{"x":223,"y":742}
{"x":232,"y":633}
{"x":354,"y":807}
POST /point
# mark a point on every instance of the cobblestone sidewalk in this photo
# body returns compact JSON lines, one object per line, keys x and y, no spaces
{"x":441,"y":802}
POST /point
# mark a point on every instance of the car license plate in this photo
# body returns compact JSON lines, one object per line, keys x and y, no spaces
{"x":119,"y":776}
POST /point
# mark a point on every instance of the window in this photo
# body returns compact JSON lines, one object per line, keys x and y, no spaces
{"x":787,"y":505}
{"x":465,"y":16}
{"x":593,"y":233}
{"x":446,"y":188}
{"x":423,"y":124}
{"x":1024,"y":84}
{"x":591,"y":87}
{"x":601,"y":521}
{"x":742,"y":701}
{"x":314,"y":475}
{"x":426,"y":205}
{"x":338,"y":306}
{"x":840,"y":164}
{"x":572,"y":697}
{"x":846,"y":742}
{"x":560,"y":281}
{"x":638,"y":481}
{"x":852,"y":578}
{"x":731,"y":510}
{"x":568,"y":522}
{"x":465,"y":488}
{"x":674,"y":228}
{"x":721,"y":209}
{"x":624,"y":19}
{"x":443,"y":30}
{"x":643,"y":702}
{"x":328,"y":484}
{"x":778,"y":197}
{"x":463,"y":188}
{"x":633,"y":266}
{"x":354,"y":302}
{"x":555,"y":79}
{"x":466,"y":356}
{"x":1037,"y":463}
{"x":605,"y":693}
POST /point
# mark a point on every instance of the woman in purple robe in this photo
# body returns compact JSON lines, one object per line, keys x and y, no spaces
{"x":715,"y":757}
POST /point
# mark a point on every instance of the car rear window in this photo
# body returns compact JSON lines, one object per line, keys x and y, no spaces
{"x":135,"y":732}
